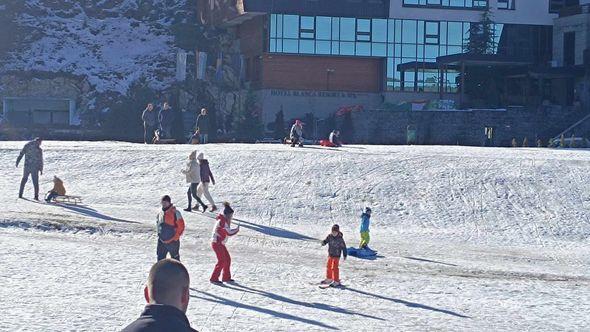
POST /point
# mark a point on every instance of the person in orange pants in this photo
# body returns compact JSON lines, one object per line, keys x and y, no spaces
{"x":336,"y":249}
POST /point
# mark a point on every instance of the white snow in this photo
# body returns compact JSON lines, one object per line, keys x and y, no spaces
{"x":470,"y":238}
{"x":112,"y":52}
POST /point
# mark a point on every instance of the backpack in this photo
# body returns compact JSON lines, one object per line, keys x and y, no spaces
{"x":167,"y":232}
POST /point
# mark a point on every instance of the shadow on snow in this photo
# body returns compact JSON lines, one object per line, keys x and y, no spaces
{"x":90,"y":212}
{"x":429,"y":261}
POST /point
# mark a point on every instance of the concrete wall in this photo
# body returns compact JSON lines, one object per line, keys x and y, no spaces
{"x":580,"y":24}
{"x":296,"y":103}
{"x":301,"y":72}
{"x":526,"y":12}
{"x":460,"y":127}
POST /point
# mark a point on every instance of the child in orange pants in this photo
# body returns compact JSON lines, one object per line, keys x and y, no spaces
{"x":336,"y":248}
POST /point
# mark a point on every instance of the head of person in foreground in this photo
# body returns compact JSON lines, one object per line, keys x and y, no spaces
{"x":168,"y":284}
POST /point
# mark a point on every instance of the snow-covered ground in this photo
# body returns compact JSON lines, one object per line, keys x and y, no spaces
{"x":469,"y":238}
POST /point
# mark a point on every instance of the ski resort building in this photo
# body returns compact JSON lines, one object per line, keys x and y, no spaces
{"x":323,"y":56}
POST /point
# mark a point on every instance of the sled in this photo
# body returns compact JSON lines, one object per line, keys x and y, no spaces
{"x":165,"y":141}
{"x":68,"y":199}
{"x":329,"y":144}
{"x":361,"y":253}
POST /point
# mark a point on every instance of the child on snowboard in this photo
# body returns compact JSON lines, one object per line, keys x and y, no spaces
{"x":58,"y":190}
{"x":365,"y":223}
{"x":336,"y":248}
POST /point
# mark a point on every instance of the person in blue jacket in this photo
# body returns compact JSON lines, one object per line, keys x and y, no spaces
{"x":365,"y":223}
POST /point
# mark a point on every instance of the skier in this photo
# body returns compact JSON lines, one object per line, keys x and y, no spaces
{"x":220,"y":234}
{"x":296,"y":134}
{"x":170,"y":227}
{"x":203,"y":126}
{"x":336,"y":248}
{"x":206,"y":178}
{"x":150,"y":121}
{"x":58,"y":190}
{"x":166,"y":118}
{"x":365,"y":223}
{"x":33,"y":165}
{"x":193,"y":178}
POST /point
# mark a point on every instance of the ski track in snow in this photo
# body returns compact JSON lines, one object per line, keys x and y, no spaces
{"x":469,"y":238}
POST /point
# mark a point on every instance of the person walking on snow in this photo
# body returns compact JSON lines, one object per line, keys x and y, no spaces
{"x":221,"y":232}
{"x":33,"y":165}
{"x":206,"y":178}
{"x":296,"y":134}
{"x":203,"y":126}
{"x":150,"y":122}
{"x":365,"y":223}
{"x":193,"y":178}
{"x":170,"y":227}
{"x":58,"y":189}
{"x":336,"y":248}
{"x":166,"y":118}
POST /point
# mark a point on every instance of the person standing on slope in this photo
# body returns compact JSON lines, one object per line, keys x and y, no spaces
{"x":166,"y":118}
{"x":170,"y":228}
{"x":336,"y":248}
{"x":296,"y":134}
{"x":33,"y":165}
{"x":206,"y":178}
{"x":203,"y":126}
{"x":221,"y":232}
{"x":193,"y":178}
{"x":150,"y":122}
{"x":365,"y":223}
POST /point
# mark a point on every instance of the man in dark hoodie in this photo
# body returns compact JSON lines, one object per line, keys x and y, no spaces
{"x":166,"y":118}
{"x":336,"y":248}
{"x":33,"y":165}
{"x":203,"y":126}
{"x":167,"y":295}
{"x":150,"y":123}
{"x":206,"y":178}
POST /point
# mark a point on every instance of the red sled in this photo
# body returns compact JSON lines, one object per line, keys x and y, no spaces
{"x":327,"y":143}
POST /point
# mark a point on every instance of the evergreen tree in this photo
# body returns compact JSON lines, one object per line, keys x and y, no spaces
{"x":480,"y":36}
{"x":279,"y":125}
{"x":247,"y":121}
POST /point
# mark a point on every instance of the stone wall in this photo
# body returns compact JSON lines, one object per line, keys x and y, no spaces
{"x":459,"y":127}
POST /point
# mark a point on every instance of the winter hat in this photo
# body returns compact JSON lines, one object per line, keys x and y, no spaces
{"x":336,"y":228}
{"x":166,"y":198}
{"x":193,"y":155}
{"x":227,"y":210}
{"x":368,"y":210}
{"x":200,"y":156}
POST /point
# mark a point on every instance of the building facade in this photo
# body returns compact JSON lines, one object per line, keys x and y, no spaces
{"x":322,"y":56}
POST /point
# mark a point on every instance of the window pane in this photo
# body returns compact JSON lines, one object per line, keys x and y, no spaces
{"x":363,"y":49}
{"x":379,"y":49}
{"x":291,"y":26}
{"x":347,"y":48}
{"x":306,"y":46}
{"x":379,"y":33}
{"x":363,"y":25}
{"x":273,"y":25}
{"x":307,"y":22}
{"x":322,"y":47}
{"x":323,"y":28}
{"x":409,"y":31}
{"x":335,"y":28}
{"x":290,"y":46}
{"x":455,"y":32}
{"x":347,"y":29}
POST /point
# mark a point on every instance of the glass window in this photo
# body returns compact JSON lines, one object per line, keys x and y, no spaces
{"x":363,"y":30}
{"x":307,"y":27}
{"x":323,"y":28}
{"x":378,"y":49}
{"x":290,"y":26}
{"x":290,"y":46}
{"x":431,"y":33}
{"x":506,"y":4}
{"x":322,"y":47}
{"x":306,"y":46}
{"x":455,"y":33}
{"x":379,"y":31}
{"x":347,"y":29}
{"x":347,"y":48}
{"x":409,"y":31}
{"x":273,"y":26}
{"x":363,"y":49}
{"x":335,"y":28}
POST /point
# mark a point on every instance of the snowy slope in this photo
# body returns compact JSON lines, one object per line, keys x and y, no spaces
{"x":104,"y":41}
{"x":471,"y":238}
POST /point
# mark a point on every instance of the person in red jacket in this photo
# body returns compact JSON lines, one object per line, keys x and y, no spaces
{"x":170,"y":227}
{"x":221,"y":232}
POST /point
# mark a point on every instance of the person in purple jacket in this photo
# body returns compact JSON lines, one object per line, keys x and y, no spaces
{"x":206,"y":178}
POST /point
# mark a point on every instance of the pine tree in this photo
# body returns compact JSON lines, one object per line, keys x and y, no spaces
{"x":247,"y":121}
{"x":279,"y":125}
{"x":480,"y":38}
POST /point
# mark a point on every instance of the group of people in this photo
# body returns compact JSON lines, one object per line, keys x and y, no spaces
{"x":157,"y":125}
{"x":296,"y":136}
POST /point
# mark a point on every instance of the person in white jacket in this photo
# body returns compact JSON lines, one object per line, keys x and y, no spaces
{"x":193,"y":178}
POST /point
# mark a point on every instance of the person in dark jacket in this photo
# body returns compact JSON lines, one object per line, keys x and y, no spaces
{"x":166,"y":118}
{"x":167,"y":294}
{"x":150,"y":123}
{"x":336,"y":248}
{"x":206,"y":178}
{"x":203,"y":126}
{"x":33,"y":165}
